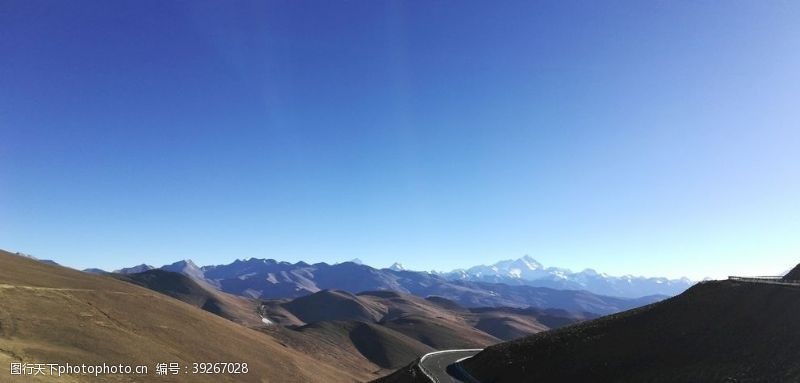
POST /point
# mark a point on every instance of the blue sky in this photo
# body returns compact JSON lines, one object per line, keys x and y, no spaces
{"x":650,"y":138}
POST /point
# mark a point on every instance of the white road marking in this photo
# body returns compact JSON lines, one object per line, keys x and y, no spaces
{"x":429,"y":374}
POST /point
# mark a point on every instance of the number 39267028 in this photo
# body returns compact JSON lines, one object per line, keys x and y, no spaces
{"x":219,"y":368}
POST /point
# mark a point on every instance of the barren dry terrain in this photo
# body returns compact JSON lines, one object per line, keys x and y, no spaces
{"x":52,"y":314}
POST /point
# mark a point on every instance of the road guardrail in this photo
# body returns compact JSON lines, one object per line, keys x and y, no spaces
{"x":770,"y":280}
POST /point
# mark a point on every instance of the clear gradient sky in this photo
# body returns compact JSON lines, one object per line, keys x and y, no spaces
{"x":633,"y":137}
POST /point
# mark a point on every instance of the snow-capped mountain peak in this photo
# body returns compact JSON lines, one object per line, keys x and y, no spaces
{"x":186,"y":267}
{"x":528,"y":271}
{"x":530,"y":263}
{"x":397,"y":266}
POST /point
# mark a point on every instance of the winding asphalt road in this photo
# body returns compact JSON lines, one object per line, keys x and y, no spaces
{"x":442,"y":367}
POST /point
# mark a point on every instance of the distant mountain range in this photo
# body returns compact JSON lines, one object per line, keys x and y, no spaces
{"x":128,"y":270}
{"x":271,"y":279}
{"x":288,"y":280}
{"x":527,"y":271}
{"x":523,"y":283}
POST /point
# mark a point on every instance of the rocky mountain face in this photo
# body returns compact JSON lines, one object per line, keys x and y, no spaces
{"x":134,"y":269}
{"x":527,"y":271}
{"x":268,"y":278}
{"x":186,"y":267}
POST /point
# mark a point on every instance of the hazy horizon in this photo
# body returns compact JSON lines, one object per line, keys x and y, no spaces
{"x":656,"y":139}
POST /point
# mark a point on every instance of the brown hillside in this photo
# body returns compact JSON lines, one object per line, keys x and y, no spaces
{"x":435,"y":322}
{"x":427,"y":321}
{"x":509,"y":323}
{"x":446,"y":304}
{"x":416,"y":318}
{"x":365,"y":346}
{"x":328,"y":305}
{"x":508,"y":327}
{"x":52,"y":314}
{"x":197,"y":293}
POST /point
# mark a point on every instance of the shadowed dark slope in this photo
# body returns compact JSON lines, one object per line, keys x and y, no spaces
{"x":507,"y":328}
{"x":329,"y":305}
{"x":793,"y":274}
{"x":439,"y":334}
{"x":197,"y":293}
{"x":446,"y":303}
{"x":354,"y":346}
{"x":405,"y":314}
{"x":411,"y":373}
{"x":388,"y":329}
{"x":714,"y":332}
{"x":509,"y":323}
{"x":383,"y":347}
